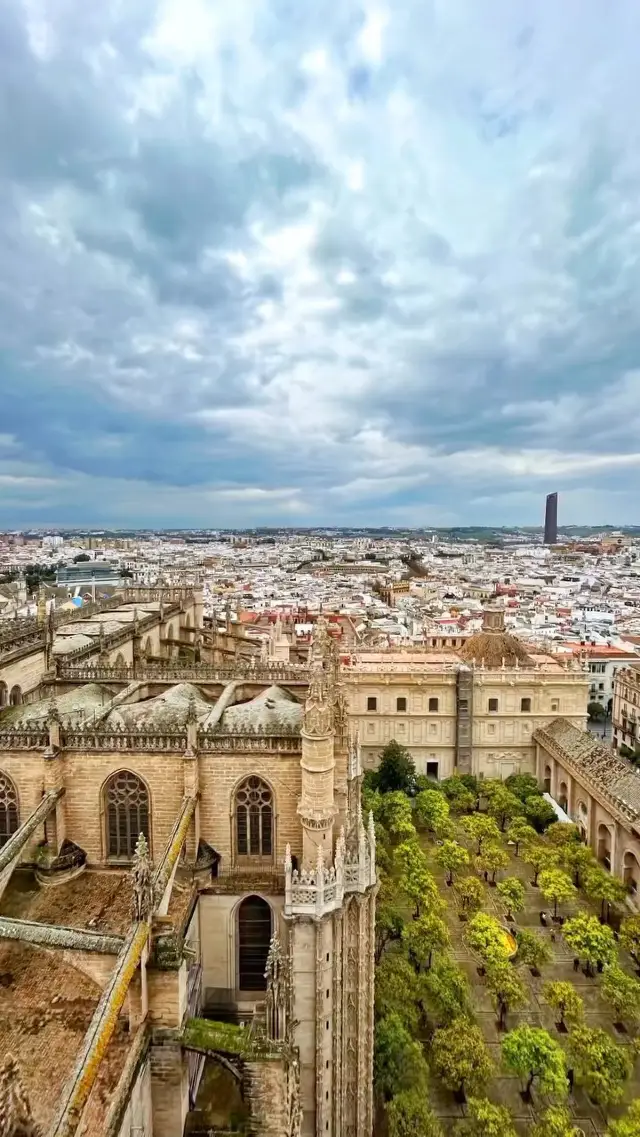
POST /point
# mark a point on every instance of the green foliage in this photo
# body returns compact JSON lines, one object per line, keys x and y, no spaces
{"x":470,"y":892}
{"x":563,"y":833}
{"x":452,"y":857}
{"x":507,"y":990}
{"x":409,"y":1115}
{"x":520,"y":832}
{"x":629,"y":1125}
{"x":601,"y":886}
{"x":397,"y":990}
{"x":389,"y":917}
{"x":461,"y":795}
{"x":432,"y":812}
{"x":523,"y":786}
{"x":398,"y":1061}
{"x":486,"y":938}
{"x":511,"y":893}
{"x":622,"y":992}
{"x":504,"y":806}
{"x":423,"y":936}
{"x":492,"y":858}
{"x":414,"y":877}
{"x":590,"y":940}
{"x":534,"y":1055}
{"x":484,"y":1119}
{"x":556,"y":1122}
{"x":600,"y":1065}
{"x":533,"y":951}
{"x":556,"y":887}
{"x":446,"y":991}
{"x":596,"y":711}
{"x":396,"y":816}
{"x":630,"y":937}
{"x":539,"y":812}
{"x":565,"y":1001}
{"x":460,"y":1059}
{"x":396,"y":770}
{"x":481,"y":829}
{"x":577,"y":859}
{"x":540,"y":857}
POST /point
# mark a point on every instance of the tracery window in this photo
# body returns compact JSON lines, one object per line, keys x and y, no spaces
{"x":8,"y":809}
{"x":127,"y":807}
{"x":254,"y":818}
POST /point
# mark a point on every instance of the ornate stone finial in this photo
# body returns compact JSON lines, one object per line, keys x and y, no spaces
{"x":142,"y":904}
{"x":192,"y":715}
{"x":318,"y":712}
{"x":53,"y":714}
{"x":16,"y":1118}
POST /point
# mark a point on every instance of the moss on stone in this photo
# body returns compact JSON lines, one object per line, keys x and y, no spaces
{"x":226,"y":1038}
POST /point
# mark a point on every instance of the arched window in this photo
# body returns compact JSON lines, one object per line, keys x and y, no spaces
{"x":4,"y":695}
{"x":254,"y":937}
{"x":15,"y":697}
{"x":127,"y":809}
{"x":8,"y":809}
{"x":254,"y":819}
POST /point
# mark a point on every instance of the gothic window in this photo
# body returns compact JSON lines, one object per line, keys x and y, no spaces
{"x":4,"y":695}
{"x":8,"y":809}
{"x":254,"y":937}
{"x":15,"y":698}
{"x":254,"y":819}
{"x":127,"y":808}
{"x":433,"y":704}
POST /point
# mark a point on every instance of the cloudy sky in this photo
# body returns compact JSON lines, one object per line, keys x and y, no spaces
{"x":273,"y":261}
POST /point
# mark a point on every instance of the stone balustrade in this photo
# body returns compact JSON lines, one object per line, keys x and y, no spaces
{"x":321,"y":890}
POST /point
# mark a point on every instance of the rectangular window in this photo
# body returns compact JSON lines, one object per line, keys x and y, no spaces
{"x":554,"y":705}
{"x":432,"y":770}
{"x":401,"y":704}
{"x":463,"y":704}
{"x":433,"y":704}
{"x":525,"y":704}
{"x":371,"y":726}
{"x":372,"y":703}
{"x":493,"y":704}
{"x":491,"y":728}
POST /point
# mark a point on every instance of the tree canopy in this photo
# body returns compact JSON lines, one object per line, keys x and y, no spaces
{"x":556,"y":887}
{"x":460,"y":1058}
{"x":565,"y":1000}
{"x":452,"y":857}
{"x":481,"y":829}
{"x":409,"y":1115}
{"x":629,"y":1124}
{"x":424,"y":936}
{"x":532,"y":949}
{"x":532,"y":1053}
{"x":590,"y":940}
{"x":484,"y":1119}
{"x":600,"y":1065}
{"x":396,"y":770}
{"x":511,"y":893}
{"x":446,"y":991}
{"x":630,"y":937}
{"x":504,"y":806}
{"x":621,"y":992}
{"x":398,"y":1062}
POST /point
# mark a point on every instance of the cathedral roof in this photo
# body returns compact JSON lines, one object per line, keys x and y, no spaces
{"x":270,"y":709}
{"x":167,"y":711}
{"x":492,"y":648}
{"x":601,"y":766}
{"x":81,"y":702}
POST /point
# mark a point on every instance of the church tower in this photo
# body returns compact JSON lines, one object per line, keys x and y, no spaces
{"x":330,"y":908}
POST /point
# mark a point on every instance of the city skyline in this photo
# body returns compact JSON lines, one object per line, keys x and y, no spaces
{"x":372,"y":265}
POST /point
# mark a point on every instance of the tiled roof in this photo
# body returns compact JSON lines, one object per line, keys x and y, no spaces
{"x":602,"y":767}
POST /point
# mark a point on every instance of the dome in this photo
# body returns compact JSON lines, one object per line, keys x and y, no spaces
{"x":270,"y":709}
{"x":494,"y":647}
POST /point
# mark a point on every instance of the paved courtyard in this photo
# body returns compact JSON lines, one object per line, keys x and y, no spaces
{"x":505,"y":1088}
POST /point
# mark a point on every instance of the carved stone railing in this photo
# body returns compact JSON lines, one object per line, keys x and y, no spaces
{"x":250,"y":743}
{"x":318,"y":891}
{"x":24,"y":739}
{"x":174,"y":672}
{"x":123,"y":740}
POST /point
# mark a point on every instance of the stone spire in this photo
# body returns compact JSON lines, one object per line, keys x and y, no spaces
{"x":318,"y":712}
{"x":16,"y":1119}
{"x":142,"y":884}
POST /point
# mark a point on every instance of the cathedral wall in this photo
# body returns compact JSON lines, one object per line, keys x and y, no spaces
{"x":220,"y":775}
{"x":24,"y":673}
{"x":167,"y":995}
{"x":138,"y":1116}
{"x":219,"y":942}
{"x":27,"y":774}
{"x":84,"y":778}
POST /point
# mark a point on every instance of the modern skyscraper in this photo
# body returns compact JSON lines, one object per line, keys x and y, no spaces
{"x":551,"y":519}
